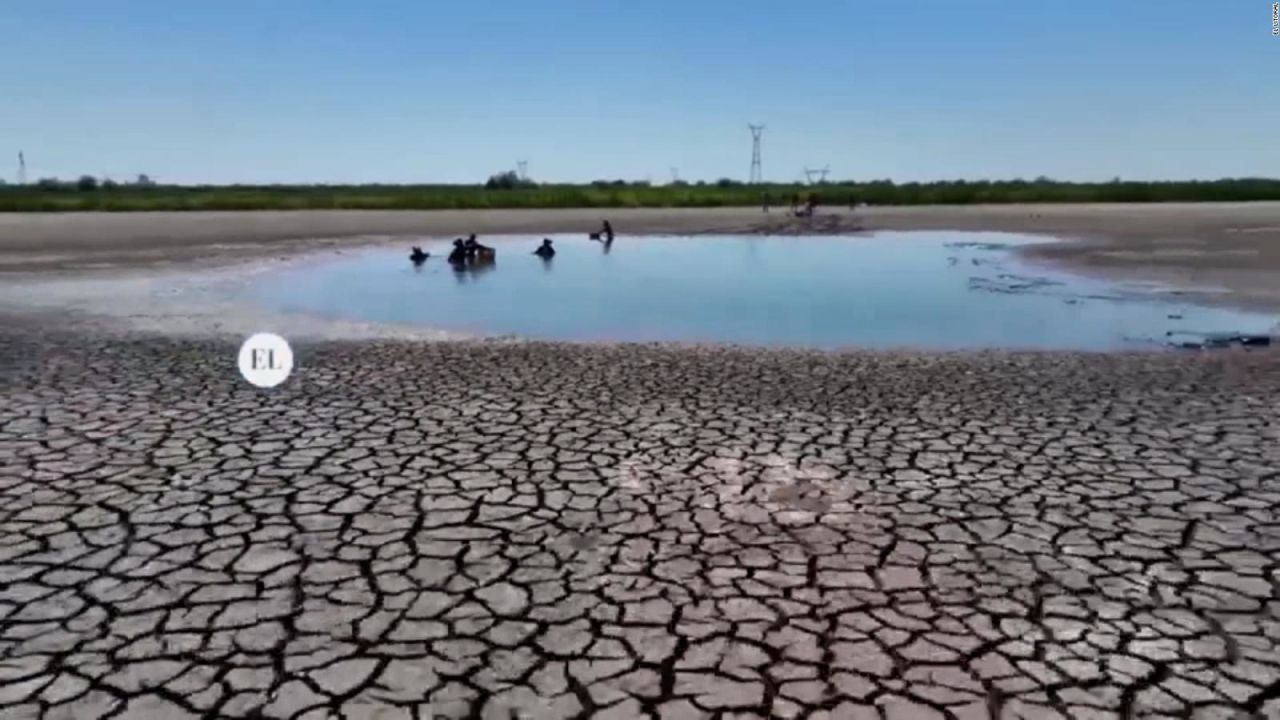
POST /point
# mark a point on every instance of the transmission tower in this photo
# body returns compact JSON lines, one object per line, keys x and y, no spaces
{"x":675,"y":175}
{"x":756,"y":175}
{"x":22,"y":169}
{"x":523,"y":166}
{"x":820,"y":172}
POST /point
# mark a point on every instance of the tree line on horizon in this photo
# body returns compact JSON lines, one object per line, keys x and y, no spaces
{"x":508,"y":190}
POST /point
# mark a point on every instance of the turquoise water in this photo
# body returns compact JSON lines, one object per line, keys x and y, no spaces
{"x":918,"y":289}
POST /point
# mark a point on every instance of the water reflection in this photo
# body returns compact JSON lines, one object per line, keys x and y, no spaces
{"x":473,"y":268}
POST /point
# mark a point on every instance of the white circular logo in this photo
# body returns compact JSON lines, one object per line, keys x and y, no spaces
{"x":266,"y":360}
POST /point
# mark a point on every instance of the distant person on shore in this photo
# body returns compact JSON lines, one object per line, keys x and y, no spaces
{"x":545,"y":251}
{"x":764,"y":201}
{"x":795,"y":204}
{"x":812,"y":204}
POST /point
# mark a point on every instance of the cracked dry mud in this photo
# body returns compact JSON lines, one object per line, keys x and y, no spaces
{"x":546,"y":531}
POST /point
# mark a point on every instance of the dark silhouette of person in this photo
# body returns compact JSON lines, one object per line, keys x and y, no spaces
{"x":418,"y":256}
{"x":607,"y":231}
{"x":545,"y":251}
{"x":458,"y":256}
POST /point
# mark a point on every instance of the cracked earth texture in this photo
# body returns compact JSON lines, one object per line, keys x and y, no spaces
{"x":547,"y":531}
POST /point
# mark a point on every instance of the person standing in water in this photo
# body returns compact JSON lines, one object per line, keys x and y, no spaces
{"x":459,"y":254}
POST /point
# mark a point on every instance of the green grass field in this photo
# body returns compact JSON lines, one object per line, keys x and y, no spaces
{"x":69,"y":197}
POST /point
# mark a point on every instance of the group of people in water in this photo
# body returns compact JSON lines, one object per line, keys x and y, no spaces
{"x":465,"y":252}
{"x":470,"y":253}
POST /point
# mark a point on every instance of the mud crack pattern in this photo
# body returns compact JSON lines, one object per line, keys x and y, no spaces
{"x":541,"y":531}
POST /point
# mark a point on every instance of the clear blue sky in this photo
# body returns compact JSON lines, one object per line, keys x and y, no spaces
{"x":434,"y":90}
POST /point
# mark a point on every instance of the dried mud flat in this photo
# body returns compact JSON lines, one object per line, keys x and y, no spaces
{"x":550,"y":531}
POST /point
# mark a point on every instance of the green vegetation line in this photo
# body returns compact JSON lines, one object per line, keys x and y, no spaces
{"x":506,"y":192}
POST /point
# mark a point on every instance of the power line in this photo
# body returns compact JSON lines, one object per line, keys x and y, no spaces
{"x":757,"y":175}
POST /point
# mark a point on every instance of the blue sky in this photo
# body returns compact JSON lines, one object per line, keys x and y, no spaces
{"x":428,"y":90}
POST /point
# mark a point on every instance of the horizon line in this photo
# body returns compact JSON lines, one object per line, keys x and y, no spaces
{"x":620,"y":182}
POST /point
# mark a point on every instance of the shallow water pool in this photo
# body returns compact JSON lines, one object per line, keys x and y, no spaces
{"x":917,"y":289}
